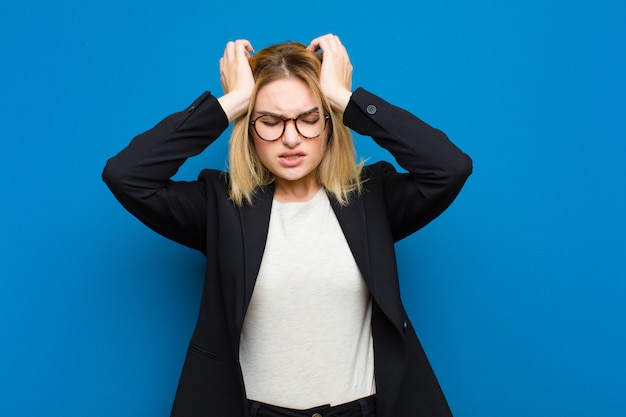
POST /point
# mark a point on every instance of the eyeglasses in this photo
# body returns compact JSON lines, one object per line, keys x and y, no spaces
{"x":270,"y":128}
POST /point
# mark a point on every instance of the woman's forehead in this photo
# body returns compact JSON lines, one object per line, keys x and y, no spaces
{"x":286,"y":97}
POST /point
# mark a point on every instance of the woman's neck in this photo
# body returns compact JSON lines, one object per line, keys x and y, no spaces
{"x":289,"y":191}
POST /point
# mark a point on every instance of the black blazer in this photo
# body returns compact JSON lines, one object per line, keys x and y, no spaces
{"x":200,"y":215}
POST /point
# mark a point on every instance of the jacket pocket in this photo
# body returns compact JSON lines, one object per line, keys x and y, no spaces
{"x":203,"y":352}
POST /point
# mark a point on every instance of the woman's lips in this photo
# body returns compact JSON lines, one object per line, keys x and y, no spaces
{"x":291,"y":159}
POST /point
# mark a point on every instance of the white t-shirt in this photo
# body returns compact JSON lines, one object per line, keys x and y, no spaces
{"x":307,"y":337}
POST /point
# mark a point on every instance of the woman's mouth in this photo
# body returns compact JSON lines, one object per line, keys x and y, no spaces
{"x":291,"y":159}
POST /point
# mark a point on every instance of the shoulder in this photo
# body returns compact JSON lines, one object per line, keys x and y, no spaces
{"x":378,"y":171}
{"x":216,"y":185}
{"x":214,"y":175}
{"x":215,"y":179}
{"x":374,"y":178}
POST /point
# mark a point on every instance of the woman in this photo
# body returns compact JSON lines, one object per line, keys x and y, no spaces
{"x":301,"y":312}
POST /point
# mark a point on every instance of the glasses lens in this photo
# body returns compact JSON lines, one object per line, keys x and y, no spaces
{"x":269,"y":127}
{"x":310,"y":124}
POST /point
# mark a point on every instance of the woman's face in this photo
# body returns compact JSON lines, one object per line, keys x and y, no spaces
{"x":292,"y":158}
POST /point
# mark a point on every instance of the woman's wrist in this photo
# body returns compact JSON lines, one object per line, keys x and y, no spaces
{"x":234,"y":104}
{"x":339,"y":100}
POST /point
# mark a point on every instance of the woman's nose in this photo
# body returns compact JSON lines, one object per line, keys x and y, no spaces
{"x":291,"y":137}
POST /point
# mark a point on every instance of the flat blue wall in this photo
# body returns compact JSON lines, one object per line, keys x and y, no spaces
{"x":517,"y":291}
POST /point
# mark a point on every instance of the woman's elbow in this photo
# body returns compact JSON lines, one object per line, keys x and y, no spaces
{"x":114,"y":177}
{"x":462,"y":168}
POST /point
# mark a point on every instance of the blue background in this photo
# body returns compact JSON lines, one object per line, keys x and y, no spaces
{"x":517,"y":291}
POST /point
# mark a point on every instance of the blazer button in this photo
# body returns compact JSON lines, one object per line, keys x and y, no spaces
{"x":371,"y":109}
{"x":316,"y":415}
{"x":405,"y":327}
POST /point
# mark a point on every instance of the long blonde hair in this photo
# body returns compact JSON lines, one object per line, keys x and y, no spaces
{"x":338,"y":171}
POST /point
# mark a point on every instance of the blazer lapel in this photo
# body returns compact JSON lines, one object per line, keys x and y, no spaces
{"x":353,"y":221}
{"x":255,"y":220}
{"x":353,"y":224}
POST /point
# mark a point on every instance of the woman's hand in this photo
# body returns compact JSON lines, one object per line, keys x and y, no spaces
{"x":336,"y":74}
{"x":236,"y":78}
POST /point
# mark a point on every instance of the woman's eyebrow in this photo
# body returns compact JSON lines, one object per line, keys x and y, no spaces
{"x":269,"y":113}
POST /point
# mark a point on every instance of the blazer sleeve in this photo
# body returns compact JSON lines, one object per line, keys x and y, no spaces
{"x":140,"y":175}
{"x":436,"y":168}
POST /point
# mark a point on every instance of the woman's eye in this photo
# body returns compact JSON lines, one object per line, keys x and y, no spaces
{"x":310,"y":119}
{"x":270,"y":122}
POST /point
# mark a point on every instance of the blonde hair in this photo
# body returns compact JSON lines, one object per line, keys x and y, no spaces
{"x":338,"y":171}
